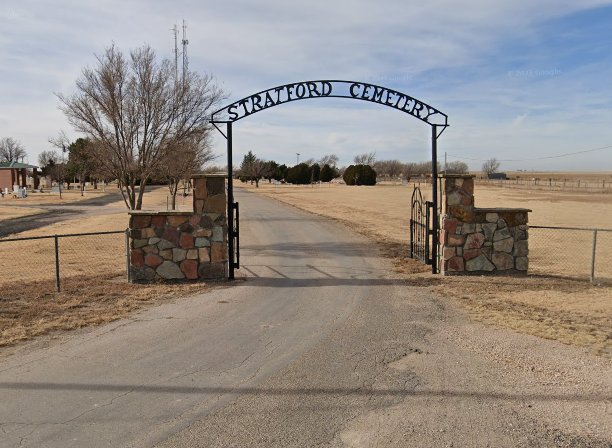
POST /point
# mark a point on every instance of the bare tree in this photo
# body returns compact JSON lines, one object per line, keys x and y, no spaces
{"x":367,"y":158}
{"x":11,"y":150}
{"x":258,"y":169}
{"x":390,"y":169}
{"x":48,"y":156}
{"x":52,"y":165}
{"x":457,"y":167}
{"x":490,"y":166}
{"x":181,"y":163}
{"x":137,"y":111}
{"x":329,"y":159}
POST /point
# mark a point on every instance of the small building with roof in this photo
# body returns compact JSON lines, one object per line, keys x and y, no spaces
{"x":15,"y":174}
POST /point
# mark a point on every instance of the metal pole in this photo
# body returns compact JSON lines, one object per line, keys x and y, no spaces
{"x":230,"y":203}
{"x":57,"y":265}
{"x":593,"y":256}
{"x":127,"y":255}
{"x":434,"y":184}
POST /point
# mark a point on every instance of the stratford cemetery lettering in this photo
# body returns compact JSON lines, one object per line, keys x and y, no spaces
{"x":331,"y":89}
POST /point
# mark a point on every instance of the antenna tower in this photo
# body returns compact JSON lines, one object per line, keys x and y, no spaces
{"x":185,"y":42}
{"x":176,"y":54}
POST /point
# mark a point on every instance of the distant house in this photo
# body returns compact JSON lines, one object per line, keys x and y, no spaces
{"x":498,"y":176}
{"x":15,"y":173}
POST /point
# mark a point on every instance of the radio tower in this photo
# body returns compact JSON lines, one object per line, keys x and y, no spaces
{"x":185,"y":42}
{"x":176,"y":54}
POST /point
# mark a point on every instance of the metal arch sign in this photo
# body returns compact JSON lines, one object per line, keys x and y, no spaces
{"x":330,"y":89}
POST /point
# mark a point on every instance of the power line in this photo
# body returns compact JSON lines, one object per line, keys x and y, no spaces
{"x":555,"y":156}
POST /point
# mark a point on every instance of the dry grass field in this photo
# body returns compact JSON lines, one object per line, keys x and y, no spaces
{"x":553,"y":306}
{"x":92,"y":268}
{"x":12,"y":212}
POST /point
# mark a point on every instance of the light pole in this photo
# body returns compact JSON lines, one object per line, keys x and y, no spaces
{"x":298,"y":158}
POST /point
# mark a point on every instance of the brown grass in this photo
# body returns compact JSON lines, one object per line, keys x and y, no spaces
{"x":48,"y":198}
{"x":30,"y":309}
{"x":12,"y":212}
{"x":552,"y":307}
{"x":94,"y":289}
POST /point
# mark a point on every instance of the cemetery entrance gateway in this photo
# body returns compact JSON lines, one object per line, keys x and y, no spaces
{"x":325,"y":89}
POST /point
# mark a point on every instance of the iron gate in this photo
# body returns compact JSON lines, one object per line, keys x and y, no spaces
{"x":235,"y":257}
{"x":421,"y":228}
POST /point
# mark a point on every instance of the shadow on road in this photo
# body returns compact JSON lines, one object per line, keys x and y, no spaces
{"x":293,"y":249}
{"x":25,"y":223}
{"x":311,"y":391}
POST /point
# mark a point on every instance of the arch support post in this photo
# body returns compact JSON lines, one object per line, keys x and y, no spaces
{"x":230,"y":203}
{"x":434,"y":184}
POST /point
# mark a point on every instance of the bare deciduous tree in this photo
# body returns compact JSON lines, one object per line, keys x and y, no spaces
{"x":52,"y":165}
{"x":490,"y":166}
{"x":11,"y":150}
{"x":257,"y":169}
{"x":329,"y":159}
{"x":137,"y":111}
{"x":48,"y":156}
{"x":390,"y":169}
{"x":181,"y":163}
{"x":457,"y":167}
{"x":367,"y":158}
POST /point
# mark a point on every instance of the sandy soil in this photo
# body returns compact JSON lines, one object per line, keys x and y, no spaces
{"x":552,"y":306}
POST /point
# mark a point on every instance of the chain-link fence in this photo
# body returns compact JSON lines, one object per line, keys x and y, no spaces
{"x":571,"y":252}
{"x":47,"y":260}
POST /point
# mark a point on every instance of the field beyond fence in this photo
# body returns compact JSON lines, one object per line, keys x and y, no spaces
{"x":550,"y":184}
{"x":48,"y":260}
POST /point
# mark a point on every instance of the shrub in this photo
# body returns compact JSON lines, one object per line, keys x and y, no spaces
{"x":359,"y":175}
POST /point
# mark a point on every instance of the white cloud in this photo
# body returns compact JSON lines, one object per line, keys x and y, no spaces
{"x":447,"y":53}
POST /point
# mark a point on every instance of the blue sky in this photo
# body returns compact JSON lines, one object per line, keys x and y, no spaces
{"x":519,"y":80}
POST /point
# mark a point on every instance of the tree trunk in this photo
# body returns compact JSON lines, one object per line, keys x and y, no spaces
{"x":173,"y":187}
{"x":141,"y":191}
{"x":257,"y":182}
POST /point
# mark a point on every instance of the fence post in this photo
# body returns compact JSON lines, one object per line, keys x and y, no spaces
{"x":57,"y":265}
{"x":593,"y":256}
{"x":127,"y":254}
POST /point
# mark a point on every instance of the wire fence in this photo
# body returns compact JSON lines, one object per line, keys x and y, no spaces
{"x":569,"y":185}
{"x":47,"y":260}
{"x":571,"y":252}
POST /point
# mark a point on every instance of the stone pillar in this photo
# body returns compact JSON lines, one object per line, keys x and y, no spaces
{"x":209,"y":193}
{"x":181,"y":246}
{"x":480,"y":241}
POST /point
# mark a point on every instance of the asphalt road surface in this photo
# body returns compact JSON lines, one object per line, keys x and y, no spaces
{"x":322,"y":345}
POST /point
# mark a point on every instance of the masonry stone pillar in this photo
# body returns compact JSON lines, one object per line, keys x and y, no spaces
{"x":480,"y":241}
{"x":182,"y":245}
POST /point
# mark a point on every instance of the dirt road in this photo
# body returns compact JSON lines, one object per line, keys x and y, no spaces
{"x":323,"y":345}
